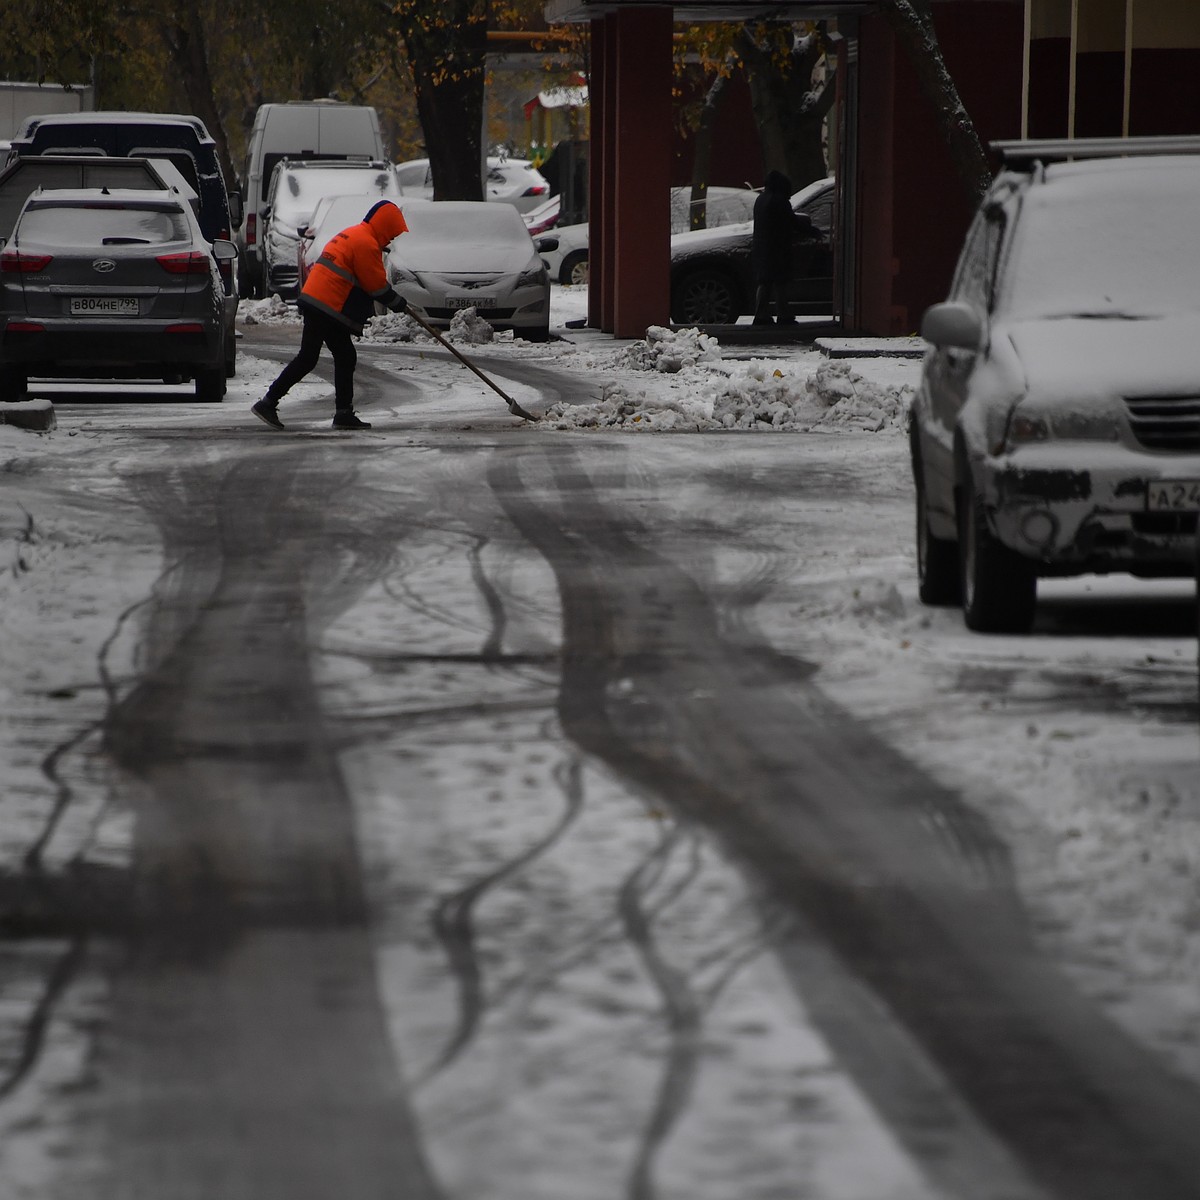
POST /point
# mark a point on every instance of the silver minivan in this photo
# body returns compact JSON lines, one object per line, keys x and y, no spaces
{"x":296,"y":129}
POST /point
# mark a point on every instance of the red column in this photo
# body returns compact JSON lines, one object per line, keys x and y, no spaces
{"x":602,"y":159}
{"x":640,"y":185}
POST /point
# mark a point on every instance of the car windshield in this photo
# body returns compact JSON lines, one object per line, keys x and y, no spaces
{"x":485,"y":224}
{"x":101,"y":225}
{"x":1111,"y":243}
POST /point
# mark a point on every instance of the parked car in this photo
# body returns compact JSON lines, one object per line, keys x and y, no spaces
{"x":712,"y":274}
{"x":545,"y":216}
{"x":296,"y":130}
{"x":514,"y":181}
{"x":712,"y":279}
{"x":296,"y":187}
{"x":472,"y":254}
{"x":111,"y":283}
{"x":180,"y":138}
{"x":331,"y":216}
{"x":564,"y":252}
{"x":24,"y":175}
{"x":1056,"y":427}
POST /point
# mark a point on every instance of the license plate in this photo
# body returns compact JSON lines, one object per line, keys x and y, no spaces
{"x":1173,"y":495}
{"x":470,"y":301}
{"x":104,"y":306}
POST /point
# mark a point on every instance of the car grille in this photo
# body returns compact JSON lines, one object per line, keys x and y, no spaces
{"x":488,"y":314}
{"x":1165,"y":422}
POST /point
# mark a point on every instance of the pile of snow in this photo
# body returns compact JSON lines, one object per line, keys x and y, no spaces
{"x":669,"y":350}
{"x":465,"y":326}
{"x":704,"y":392}
{"x":271,"y":311}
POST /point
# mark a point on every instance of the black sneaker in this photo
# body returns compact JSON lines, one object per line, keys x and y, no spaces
{"x":349,"y":419}
{"x":268,"y":411}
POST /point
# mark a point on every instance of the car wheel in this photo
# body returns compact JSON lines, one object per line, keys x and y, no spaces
{"x":210,"y":384}
{"x":938,"y":580}
{"x":574,"y":269}
{"x":707,"y":297}
{"x":999,"y":586}
{"x":14,"y":384}
{"x":231,"y":357}
{"x":538,"y":333}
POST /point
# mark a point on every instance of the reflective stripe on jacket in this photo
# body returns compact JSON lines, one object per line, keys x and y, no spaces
{"x":349,"y":276}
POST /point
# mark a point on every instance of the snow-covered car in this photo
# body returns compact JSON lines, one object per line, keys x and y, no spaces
{"x":545,"y":216}
{"x":112,"y":283}
{"x":461,"y":254}
{"x":711,"y":274}
{"x":514,"y":181}
{"x":564,"y":250}
{"x":1056,"y":428}
{"x":331,"y":216}
{"x":296,"y":188}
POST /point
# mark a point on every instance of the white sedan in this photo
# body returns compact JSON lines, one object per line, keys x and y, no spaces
{"x":461,"y":254}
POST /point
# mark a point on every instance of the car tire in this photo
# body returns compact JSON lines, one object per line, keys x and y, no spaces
{"x":574,"y":269}
{"x":538,"y":333}
{"x":210,"y":384}
{"x":14,"y":384}
{"x":939,"y":582}
{"x":705,"y":297}
{"x":999,"y":586}
{"x":231,"y":356}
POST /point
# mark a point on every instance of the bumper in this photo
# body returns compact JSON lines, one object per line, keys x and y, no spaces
{"x":1085,"y":506}
{"x":527,"y":309}
{"x":111,"y":349}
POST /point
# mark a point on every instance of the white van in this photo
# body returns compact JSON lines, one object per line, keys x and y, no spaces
{"x":297,"y":129}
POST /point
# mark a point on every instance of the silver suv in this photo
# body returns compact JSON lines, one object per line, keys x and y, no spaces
{"x":1056,"y":428}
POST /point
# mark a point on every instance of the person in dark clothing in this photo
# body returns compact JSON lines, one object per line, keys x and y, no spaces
{"x":337,"y":300}
{"x":775,"y":225}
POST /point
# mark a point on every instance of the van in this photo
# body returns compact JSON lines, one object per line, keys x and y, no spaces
{"x":179,"y":139}
{"x":296,"y":129}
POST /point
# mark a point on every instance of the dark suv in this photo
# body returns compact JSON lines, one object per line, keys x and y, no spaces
{"x":181,"y":139}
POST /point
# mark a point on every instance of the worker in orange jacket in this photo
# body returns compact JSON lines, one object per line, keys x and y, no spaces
{"x":337,"y":300}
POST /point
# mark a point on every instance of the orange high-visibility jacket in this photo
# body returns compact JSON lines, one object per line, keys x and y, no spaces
{"x":349,"y":276}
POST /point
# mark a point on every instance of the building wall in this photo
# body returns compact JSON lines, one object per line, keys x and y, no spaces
{"x":913,"y":209}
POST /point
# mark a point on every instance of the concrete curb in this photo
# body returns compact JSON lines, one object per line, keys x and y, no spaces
{"x":37,"y":415}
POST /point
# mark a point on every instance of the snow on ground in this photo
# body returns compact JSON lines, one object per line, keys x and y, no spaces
{"x":1100,"y":800}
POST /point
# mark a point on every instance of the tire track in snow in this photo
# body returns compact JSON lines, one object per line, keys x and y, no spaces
{"x":907,"y":889}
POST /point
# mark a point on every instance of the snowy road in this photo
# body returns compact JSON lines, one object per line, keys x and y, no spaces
{"x":477,"y":810}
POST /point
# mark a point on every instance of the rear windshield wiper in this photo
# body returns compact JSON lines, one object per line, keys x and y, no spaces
{"x":124,"y":241}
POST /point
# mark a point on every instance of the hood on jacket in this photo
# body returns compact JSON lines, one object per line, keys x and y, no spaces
{"x":386,"y":222}
{"x":777,"y":181}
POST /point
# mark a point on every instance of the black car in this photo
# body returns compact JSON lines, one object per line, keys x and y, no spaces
{"x":712,"y":275}
{"x":113,"y":284}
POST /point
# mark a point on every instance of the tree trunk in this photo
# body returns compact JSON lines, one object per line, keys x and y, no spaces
{"x":912,"y":21}
{"x":789,"y":109}
{"x":183,"y":36}
{"x":702,"y":158}
{"x":446,"y":53}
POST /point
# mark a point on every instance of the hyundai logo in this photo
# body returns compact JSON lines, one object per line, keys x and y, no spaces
{"x":104,"y":265}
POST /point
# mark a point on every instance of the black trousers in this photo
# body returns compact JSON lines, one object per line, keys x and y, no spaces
{"x":320,"y":329}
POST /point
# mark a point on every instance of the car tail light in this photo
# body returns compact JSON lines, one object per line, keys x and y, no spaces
{"x":25,"y":327}
{"x":251,"y":228}
{"x":538,"y":189}
{"x":15,"y":260}
{"x":187,"y":262}
{"x":185,"y":327}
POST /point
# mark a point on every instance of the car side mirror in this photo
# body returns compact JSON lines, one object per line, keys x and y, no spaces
{"x":236,"y":210}
{"x":224,"y":250}
{"x":952,"y":325}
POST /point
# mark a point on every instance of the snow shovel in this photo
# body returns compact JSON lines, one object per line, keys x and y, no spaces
{"x":513,"y":406}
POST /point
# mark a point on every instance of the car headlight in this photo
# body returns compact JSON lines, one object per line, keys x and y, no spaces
{"x":1075,"y":424}
{"x":534,"y":277}
{"x":403,"y":275}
